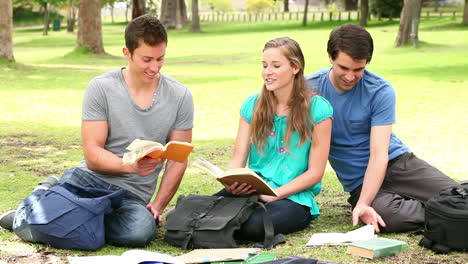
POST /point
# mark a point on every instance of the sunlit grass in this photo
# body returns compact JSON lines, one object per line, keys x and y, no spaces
{"x":41,"y":96}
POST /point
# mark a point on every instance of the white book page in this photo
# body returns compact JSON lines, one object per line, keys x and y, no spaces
{"x":364,"y":233}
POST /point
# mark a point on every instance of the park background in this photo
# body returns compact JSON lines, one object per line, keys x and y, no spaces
{"x":41,"y":95}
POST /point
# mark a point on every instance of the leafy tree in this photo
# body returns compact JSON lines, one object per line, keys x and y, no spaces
{"x":409,"y":23}
{"x":364,"y":13}
{"x":71,"y":15}
{"x":90,"y":27}
{"x":6,"y":30}
{"x":138,"y":8}
{"x":110,"y":4}
{"x":173,"y":13}
{"x":350,"y":4}
{"x":195,"y":17}
{"x":304,"y":18}
{"x":386,"y":8}
{"x":258,"y":6}
{"x":46,"y":5}
{"x":217,"y":5}
{"x":465,"y":13}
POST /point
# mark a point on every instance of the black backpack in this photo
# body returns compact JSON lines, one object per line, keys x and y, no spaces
{"x":203,"y":221}
{"x":446,"y":221}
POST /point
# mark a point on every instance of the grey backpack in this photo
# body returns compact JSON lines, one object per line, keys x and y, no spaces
{"x":202,"y":221}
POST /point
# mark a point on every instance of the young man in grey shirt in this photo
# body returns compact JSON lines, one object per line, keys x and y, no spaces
{"x":137,"y":101}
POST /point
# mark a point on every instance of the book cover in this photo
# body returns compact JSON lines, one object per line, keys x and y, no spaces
{"x":240,"y":175}
{"x":173,"y":150}
{"x":376,"y":248}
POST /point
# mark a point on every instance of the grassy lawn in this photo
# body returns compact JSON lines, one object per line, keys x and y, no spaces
{"x":41,"y":94}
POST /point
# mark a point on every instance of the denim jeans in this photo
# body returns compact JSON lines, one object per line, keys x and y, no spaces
{"x":286,"y":215}
{"x":130,"y":224}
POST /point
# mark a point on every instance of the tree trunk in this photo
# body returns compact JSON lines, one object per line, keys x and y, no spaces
{"x":173,"y":13}
{"x":409,"y":23}
{"x":350,"y":5}
{"x":71,"y":17}
{"x":137,"y":9}
{"x":195,"y":17}
{"x":89,"y":26}
{"x":6,"y":30}
{"x":304,"y":19}
{"x":286,"y":5}
{"x":45,"y":30}
{"x":364,"y":13}
{"x":465,"y":13}
{"x":111,"y":5}
{"x":126,"y":10}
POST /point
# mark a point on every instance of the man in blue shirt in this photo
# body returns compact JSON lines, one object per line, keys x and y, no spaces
{"x":387,"y":183}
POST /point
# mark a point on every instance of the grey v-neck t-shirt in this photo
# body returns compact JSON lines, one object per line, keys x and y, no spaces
{"x":107,"y":98}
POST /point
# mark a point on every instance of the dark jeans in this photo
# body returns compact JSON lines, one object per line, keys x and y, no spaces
{"x":286,"y":215}
{"x":130,"y":224}
{"x":408,"y":183}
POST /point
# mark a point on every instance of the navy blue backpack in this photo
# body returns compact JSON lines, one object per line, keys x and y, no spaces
{"x":69,"y":216}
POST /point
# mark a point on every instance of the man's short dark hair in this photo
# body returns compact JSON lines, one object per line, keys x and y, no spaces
{"x":147,"y":28}
{"x":352,"y":40}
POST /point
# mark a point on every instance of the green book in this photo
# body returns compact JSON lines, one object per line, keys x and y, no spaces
{"x":376,"y":248}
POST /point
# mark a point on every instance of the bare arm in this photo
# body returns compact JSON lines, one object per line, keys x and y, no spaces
{"x":173,"y":173}
{"x":94,"y":136}
{"x":374,"y":176}
{"x":318,"y":156}
{"x":239,"y":158}
{"x":242,"y":145}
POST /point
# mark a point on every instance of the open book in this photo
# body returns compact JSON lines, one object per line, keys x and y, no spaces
{"x":173,"y":150}
{"x":363,"y":233}
{"x":240,"y":175}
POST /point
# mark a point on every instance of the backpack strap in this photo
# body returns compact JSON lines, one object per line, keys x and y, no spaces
{"x":270,"y":239}
{"x":193,"y":224}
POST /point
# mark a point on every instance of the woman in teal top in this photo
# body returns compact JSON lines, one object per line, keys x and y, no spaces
{"x":284,"y":111}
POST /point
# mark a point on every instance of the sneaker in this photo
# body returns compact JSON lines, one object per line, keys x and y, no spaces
{"x":6,"y":220}
{"x":51,"y":181}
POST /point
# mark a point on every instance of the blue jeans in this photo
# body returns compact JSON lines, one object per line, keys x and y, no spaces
{"x":130,"y":224}
{"x":286,"y":215}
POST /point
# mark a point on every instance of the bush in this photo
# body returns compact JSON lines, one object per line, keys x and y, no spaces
{"x":219,"y":5}
{"x":387,"y":8}
{"x":26,"y":16}
{"x":256,"y":7}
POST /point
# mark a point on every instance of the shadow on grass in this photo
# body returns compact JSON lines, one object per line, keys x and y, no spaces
{"x":453,"y":73}
{"x":455,"y":26}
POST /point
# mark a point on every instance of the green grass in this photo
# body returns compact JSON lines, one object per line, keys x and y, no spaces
{"x":40,"y":102}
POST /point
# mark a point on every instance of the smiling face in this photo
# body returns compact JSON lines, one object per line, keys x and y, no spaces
{"x":146,"y":61}
{"x":278,"y":73}
{"x":346,"y":71}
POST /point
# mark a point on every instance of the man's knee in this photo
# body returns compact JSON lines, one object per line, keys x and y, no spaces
{"x":130,"y":225}
{"x":399,"y":214}
{"x":135,"y":236}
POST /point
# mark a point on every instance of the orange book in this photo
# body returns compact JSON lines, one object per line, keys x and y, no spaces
{"x":240,"y":175}
{"x":173,"y":150}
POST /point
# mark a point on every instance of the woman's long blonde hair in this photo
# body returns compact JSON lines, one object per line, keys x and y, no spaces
{"x":299,"y":110}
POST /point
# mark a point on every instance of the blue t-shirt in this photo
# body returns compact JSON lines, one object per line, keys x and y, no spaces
{"x":370,"y":103}
{"x":278,"y":166}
